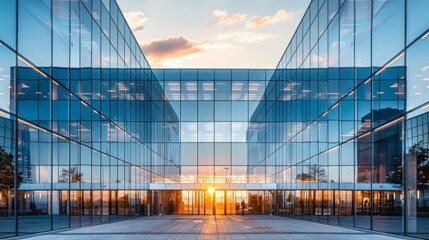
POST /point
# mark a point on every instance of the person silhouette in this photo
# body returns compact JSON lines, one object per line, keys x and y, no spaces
{"x":365,"y":206}
{"x":243,"y":204}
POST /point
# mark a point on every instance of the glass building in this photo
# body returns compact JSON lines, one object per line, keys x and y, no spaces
{"x":84,"y":122}
{"x":337,"y":132}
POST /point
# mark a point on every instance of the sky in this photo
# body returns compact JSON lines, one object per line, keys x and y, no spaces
{"x":213,"y":33}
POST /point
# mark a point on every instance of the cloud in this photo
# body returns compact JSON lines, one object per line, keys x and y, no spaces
{"x":172,"y":47}
{"x":280,"y":16}
{"x":170,"y":50}
{"x":223,"y":19}
{"x":136,"y":20}
{"x":246,"y":37}
{"x":321,"y":60}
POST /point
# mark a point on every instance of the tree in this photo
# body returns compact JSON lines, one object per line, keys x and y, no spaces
{"x":318,"y":173}
{"x":7,"y":170}
{"x":72,"y":172}
{"x":7,"y":180}
{"x":421,"y":157}
{"x":315,"y":174}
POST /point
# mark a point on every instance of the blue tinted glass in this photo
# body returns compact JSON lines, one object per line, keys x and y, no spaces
{"x":96,"y":45}
{"x":8,"y":22}
{"x":74,"y":34}
{"x":159,"y":74}
{"x":189,"y":111}
{"x":205,"y":111}
{"x":105,"y":21}
{"x":189,"y":153}
{"x":106,"y":3}
{"x":417,"y":18}
{"x":7,"y":64}
{"x":172,"y":90}
{"x":332,"y":8}
{"x":189,"y":90}
{"x":333,"y":43}
{"x":205,"y":90}
{"x":363,"y":33}
{"x":172,"y":75}
{"x":347,"y":35}
{"x":222,"y":156}
{"x":223,"y":75}
{"x":206,"y":132}
{"x":60,"y":44}
{"x":96,"y":12}
{"x":239,"y":90}
{"x":239,"y":110}
{"x":418,"y":75}
{"x":240,"y":74}
{"x":85,"y":38}
{"x":206,"y":74}
{"x":388,"y":23}
{"x":188,"y":75}
{"x":222,"y":90}
{"x":35,"y":23}
{"x":223,"y":132}
{"x":222,"y":111}
{"x":323,"y":18}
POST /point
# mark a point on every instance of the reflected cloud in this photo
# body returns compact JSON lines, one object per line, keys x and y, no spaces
{"x":322,"y":60}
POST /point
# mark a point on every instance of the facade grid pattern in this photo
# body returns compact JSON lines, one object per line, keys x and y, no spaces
{"x":336,"y":133}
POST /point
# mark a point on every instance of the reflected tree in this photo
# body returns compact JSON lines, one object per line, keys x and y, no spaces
{"x":315,"y":173}
{"x":7,"y":169}
{"x":421,"y":157}
{"x":71,"y":173}
{"x":318,"y":173}
{"x":7,"y":181}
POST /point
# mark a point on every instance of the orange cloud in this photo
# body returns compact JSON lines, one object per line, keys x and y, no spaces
{"x":224,"y":19}
{"x":168,"y":50}
{"x":280,"y":16}
{"x":172,"y":47}
{"x":136,"y":20}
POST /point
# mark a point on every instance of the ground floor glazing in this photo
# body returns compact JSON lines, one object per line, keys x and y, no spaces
{"x":39,"y":211}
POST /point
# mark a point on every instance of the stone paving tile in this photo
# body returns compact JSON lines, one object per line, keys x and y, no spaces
{"x":184,"y":227}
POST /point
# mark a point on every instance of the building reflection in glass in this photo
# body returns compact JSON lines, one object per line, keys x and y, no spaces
{"x":337,"y":133}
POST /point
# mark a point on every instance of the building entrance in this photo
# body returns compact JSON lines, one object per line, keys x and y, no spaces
{"x":222,"y":202}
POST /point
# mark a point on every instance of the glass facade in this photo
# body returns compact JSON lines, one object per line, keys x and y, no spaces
{"x":214,"y":107}
{"x":345,"y":117}
{"x":83,"y":119}
{"x":337,"y":133}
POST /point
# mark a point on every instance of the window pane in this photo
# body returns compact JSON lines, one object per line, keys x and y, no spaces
{"x":8,"y":22}
{"x":418,"y":75}
{"x":417,"y":18}
{"x":388,"y":30}
{"x":7,"y":63}
{"x":34,"y":26}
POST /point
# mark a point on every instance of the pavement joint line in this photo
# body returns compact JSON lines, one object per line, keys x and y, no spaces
{"x":229,"y":233}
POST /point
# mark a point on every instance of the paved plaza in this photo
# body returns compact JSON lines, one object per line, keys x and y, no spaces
{"x":212,"y":227}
